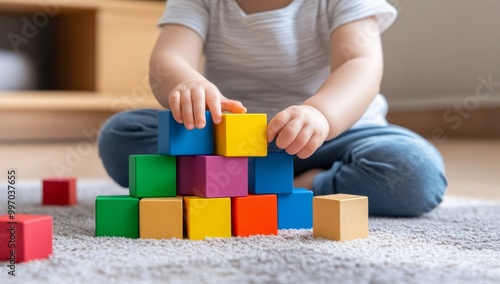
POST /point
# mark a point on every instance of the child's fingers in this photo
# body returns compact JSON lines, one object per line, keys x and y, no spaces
{"x":233,"y":106}
{"x":309,"y":149}
{"x":301,"y":140}
{"x":277,"y":123}
{"x":198,"y":101}
{"x":213,"y":101}
{"x":187,"y":108}
{"x":174,"y":103}
{"x":289,"y":134}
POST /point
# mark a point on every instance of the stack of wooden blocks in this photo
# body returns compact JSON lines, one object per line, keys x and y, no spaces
{"x":222,"y":181}
{"x":219,"y":181}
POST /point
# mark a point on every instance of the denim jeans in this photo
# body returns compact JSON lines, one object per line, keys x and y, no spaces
{"x":401,"y":173}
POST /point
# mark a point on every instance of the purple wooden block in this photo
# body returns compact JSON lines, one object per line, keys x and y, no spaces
{"x":212,"y":176}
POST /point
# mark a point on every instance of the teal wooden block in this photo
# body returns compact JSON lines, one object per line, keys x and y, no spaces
{"x":152,"y":176}
{"x":117,"y":216}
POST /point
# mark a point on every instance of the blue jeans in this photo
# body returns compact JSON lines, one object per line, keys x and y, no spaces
{"x":400,"y":172}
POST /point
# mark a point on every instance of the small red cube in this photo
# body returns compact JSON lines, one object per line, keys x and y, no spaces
{"x":59,"y":191}
{"x":25,"y":237}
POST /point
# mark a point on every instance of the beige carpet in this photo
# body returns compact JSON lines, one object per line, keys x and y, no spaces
{"x":457,"y":243}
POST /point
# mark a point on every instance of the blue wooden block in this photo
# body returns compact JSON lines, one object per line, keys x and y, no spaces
{"x":175,"y":140}
{"x":271,"y":175}
{"x":295,"y":209}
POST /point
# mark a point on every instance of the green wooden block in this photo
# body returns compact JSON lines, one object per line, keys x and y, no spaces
{"x":117,"y":216}
{"x":152,"y":176}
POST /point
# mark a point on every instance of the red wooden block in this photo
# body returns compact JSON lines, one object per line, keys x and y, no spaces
{"x":254,"y":215}
{"x":59,"y":191}
{"x":25,"y":238}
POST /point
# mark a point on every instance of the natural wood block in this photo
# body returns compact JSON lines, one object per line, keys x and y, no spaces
{"x":241,"y":135}
{"x":207,"y":217}
{"x":160,"y":218}
{"x":340,"y":217}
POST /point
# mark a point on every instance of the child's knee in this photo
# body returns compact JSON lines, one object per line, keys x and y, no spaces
{"x":128,"y":126}
{"x":123,"y":134}
{"x":417,"y":182}
{"x":411,"y":176}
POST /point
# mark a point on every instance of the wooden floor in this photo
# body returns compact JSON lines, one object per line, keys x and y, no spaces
{"x":472,"y":166}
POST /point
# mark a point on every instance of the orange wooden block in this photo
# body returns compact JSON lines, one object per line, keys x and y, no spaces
{"x":254,"y":215}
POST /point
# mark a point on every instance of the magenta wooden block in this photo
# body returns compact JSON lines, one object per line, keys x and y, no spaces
{"x":212,"y":176}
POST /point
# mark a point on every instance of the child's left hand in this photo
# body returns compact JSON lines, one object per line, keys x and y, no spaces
{"x":299,"y":129}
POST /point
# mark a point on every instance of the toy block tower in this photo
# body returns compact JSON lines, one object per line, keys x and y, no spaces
{"x":340,"y":217}
{"x":198,"y":185}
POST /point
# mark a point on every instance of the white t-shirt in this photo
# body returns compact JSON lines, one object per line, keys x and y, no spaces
{"x":274,"y":59}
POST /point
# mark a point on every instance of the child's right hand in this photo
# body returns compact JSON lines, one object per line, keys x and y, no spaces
{"x":189,"y":99}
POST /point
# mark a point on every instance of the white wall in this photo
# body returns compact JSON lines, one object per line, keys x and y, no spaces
{"x":437,"y":49}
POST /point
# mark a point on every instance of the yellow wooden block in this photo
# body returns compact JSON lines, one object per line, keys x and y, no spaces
{"x":207,"y":217}
{"x":160,"y":218}
{"x":340,"y":217}
{"x":241,"y":135}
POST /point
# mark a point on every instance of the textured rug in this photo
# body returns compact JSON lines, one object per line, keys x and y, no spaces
{"x":457,"y":243}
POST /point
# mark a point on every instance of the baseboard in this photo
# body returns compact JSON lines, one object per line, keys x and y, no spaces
{"x":441,"y":124}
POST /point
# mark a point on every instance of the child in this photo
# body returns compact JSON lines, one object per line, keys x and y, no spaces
{"x":315,"y":67}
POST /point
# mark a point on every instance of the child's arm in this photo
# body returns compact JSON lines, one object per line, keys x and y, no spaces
{"x":182,"y":88}
{"x":356,"y":74}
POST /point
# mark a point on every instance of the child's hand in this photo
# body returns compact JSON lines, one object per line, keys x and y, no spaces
{"x":299,"y":129}
{"x":189,"y":100}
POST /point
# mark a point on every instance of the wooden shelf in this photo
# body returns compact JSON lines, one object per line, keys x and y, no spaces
{"x":35,"y":5}
{"x":99,"y":56}
{"x":37,"y":116}
{"x":72,"y":101}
